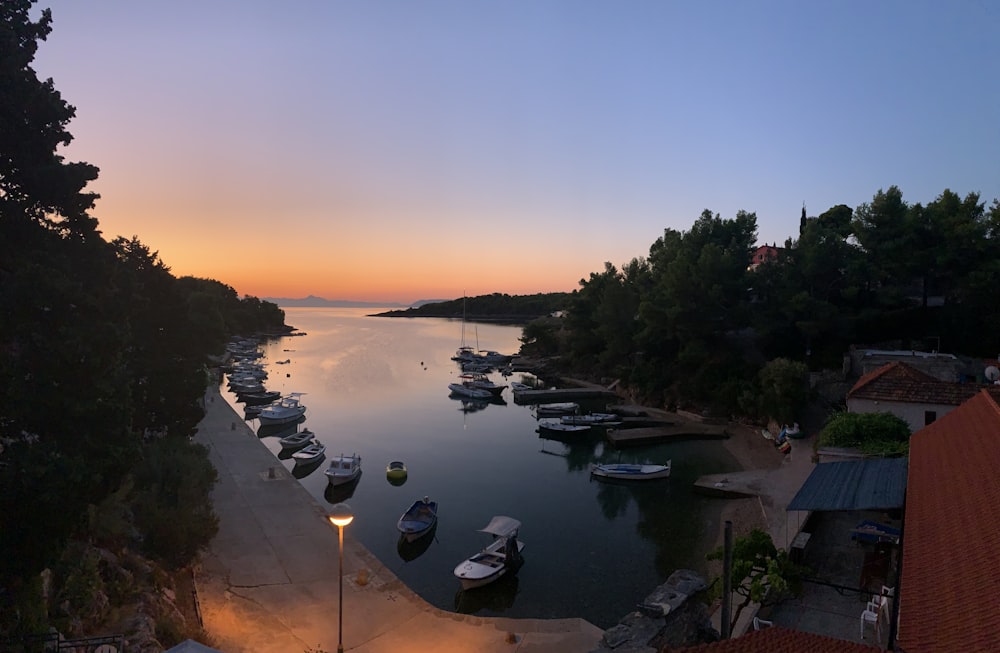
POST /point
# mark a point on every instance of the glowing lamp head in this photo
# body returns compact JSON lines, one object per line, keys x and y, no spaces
{"x":341,"y":515}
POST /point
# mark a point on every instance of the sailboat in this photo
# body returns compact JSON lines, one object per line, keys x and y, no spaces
{"x":465,"y":353}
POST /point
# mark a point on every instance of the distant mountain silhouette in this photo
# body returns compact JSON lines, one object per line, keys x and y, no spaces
{"x":314,"y":301}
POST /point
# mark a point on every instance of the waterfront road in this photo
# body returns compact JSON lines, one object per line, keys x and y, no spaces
{"x":269,"y":581}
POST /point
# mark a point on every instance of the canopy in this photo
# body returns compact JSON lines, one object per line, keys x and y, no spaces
{"x":501,"y":526}
{"x":871,"y":484}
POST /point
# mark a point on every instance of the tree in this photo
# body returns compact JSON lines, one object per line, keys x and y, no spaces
{"x":760,"y":572}
{"x":36,"y":183}
{"x":784,"y":389}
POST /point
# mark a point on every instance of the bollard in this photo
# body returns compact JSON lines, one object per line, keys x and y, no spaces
{"x":232,"y":426}
{"x":270,"y":472}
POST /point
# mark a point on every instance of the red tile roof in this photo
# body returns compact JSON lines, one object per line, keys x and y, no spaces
{"x":782,"y":640}
{"x":904,"y":383}
{"x":951,"y":533}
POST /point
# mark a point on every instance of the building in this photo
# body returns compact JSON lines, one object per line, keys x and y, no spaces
{"x":908,"y":393}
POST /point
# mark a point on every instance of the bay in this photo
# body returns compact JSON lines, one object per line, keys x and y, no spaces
{"x":378,"y":387}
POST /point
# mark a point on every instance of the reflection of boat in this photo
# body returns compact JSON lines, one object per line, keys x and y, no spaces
{"x":309,"y":453}
{"x":288,"y":409}
{"x":297,"y":439}
{"x":279,"y":430}
{"x":418,"y":519}
{"x":301,"y":470}
{"x":503,"y":554}
{"x":497,"y":597}
{"x":343,"y":469}
{"x":395,"y":472}
{"x":556,"y":409}
{"x":340,"y":493}
{"x":559,"y":427}
{"x":408,"y":550}
{"x":630,"y":471}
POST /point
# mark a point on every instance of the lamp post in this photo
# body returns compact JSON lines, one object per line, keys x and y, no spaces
{"x":341,"y":516}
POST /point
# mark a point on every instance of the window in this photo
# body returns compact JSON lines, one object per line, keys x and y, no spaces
{"x":929,"y":416}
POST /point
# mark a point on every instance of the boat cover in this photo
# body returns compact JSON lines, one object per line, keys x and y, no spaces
{"x":501,"y":526}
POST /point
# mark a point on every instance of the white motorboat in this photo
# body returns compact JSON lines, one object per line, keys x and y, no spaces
{"x":561,"y":427}
{"x":556,"y":409}
{"x":287,"y":409}
{"x":591,"y":419}
{"x":464,"y":390}
{"x":309,"y":453}
{"x":630,"y":471}
{"x":501,"y":556}
{"x":481,"y":381}
{"x":297,"y":439}
{"x":343,"y":469}
{"x":418,"y":520}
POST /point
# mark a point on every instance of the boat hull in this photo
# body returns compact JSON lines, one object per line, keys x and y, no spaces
{"x":488,"y":565}
{"x":266,"y":417}
{"x":631,"y":472}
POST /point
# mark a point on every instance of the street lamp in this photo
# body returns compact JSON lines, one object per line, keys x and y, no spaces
{"x":341,"y":516}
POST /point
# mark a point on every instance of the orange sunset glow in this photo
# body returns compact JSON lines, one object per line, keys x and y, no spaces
{"x":385,"y":151}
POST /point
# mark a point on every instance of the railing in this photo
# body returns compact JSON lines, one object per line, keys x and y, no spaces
{"x":54,"y":643}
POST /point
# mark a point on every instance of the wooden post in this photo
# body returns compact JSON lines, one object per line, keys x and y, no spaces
{"x":727,"y":572}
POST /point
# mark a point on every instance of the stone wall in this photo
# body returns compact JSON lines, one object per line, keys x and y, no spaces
{"x":672,"y":616}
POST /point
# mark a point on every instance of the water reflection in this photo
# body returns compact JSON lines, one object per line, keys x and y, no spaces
{"x":656,"y":529}
{"x":496,"y":597}
{"x":578,"y":451}
{"x":409,"y":551}
{"x":341,"y":493}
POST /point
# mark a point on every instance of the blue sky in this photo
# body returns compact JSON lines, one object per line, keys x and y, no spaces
{"x":402,"y":150}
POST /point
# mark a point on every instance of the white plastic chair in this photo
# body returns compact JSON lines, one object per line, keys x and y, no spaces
{"x":761,"y":624}
{"x":872,"y":615}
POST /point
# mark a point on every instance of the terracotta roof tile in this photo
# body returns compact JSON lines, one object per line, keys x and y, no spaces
{"x":904,"y":383}
{"x":781,"y":640}
{"x":951,"y":538}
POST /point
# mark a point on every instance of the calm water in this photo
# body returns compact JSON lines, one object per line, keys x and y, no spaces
{"x":378,"y":387}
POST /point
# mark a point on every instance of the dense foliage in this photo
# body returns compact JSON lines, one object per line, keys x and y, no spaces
{"x":875,"y":434}
{"x":496,"y":307}
{"x":760,"y":572}
{"x":693,"y":324}
{"x":103,"y":357}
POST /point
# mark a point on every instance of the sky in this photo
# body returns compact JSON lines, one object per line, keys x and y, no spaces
{"x":403,"y":150}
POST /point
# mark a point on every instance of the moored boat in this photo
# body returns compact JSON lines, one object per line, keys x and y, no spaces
{"x":464,"y":390}
{"x":630,"y":471}
{"x":395,"y":472}
{"x":501,"y":556}
{"x":297,"y":439}
{"x":608,"y":419}
{"x":343,"y":469}
{"x":419,"y":519}
{"x":288,"y":409}
{"x":556,"y":409}
{"x":561,"y":427}
{"x":309,"y":453}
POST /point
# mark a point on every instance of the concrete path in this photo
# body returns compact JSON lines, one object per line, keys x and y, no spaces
{"x":269,"y":582}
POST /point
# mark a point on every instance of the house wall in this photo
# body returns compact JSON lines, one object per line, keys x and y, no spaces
{"x":912,"y":414}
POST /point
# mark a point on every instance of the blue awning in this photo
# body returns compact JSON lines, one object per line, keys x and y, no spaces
{"x":875,"y":484}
